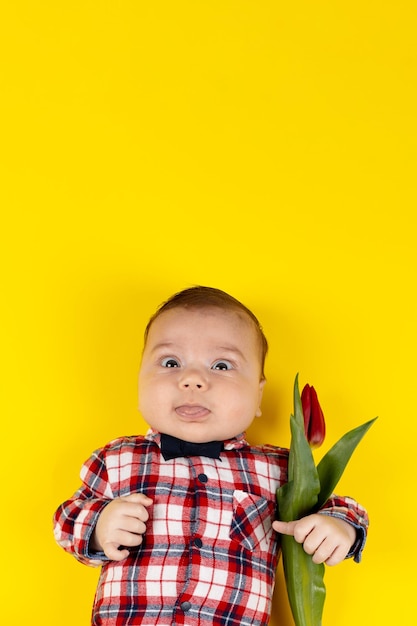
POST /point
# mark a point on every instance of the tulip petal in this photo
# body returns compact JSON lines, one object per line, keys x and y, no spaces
{"x":317,"y":425}
{"x":306,"y":404}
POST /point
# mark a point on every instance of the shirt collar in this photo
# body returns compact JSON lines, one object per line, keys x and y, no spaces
{"x":236,"y":443}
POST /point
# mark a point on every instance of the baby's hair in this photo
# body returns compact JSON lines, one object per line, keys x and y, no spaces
{"x":200,"y":297}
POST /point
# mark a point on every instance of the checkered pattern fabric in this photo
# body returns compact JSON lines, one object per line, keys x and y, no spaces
{"x":209,"y":553}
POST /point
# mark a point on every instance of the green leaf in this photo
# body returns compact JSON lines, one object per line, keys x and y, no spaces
{"x":285,"y":498}
{"x":332,"y":465}
{"x":305,"y":480}
{"x":299,"y":417}
{"x":302,"y":470}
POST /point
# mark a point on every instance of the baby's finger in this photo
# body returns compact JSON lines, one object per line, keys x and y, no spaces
{"x":285,"y":528}
{"x":134,"y":525}
{"x":113,"y":553}
{"x":138,"y":504}
{"x":138,"y":498}
{"x":315,"y":542}
{"x":320,"y":555}
{"x":337,"y":557}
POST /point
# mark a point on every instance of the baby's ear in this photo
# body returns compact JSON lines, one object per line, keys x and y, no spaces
{"x":261,"y":390}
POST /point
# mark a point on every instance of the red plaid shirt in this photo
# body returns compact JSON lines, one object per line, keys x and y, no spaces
{"x":209,"y":553}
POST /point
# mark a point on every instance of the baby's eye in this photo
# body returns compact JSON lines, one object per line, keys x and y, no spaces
{"x":169,"y":362}
{"x":222,"y":365}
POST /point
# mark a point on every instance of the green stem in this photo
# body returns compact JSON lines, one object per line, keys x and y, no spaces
{"x":305,"y":584}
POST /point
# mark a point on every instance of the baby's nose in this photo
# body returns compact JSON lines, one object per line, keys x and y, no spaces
{"x":193,"y":379}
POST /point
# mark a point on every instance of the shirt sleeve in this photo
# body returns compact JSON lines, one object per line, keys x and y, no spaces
{"x":350,"y":511}
{"x":76,"y":518}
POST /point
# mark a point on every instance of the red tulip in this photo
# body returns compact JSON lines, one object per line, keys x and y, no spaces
{"x":314,"y":425}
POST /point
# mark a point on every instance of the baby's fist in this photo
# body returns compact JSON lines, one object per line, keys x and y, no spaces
{"x":121,"y":523}
{"x":327,"y":539}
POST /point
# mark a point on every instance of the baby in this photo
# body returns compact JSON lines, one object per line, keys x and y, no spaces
{"x":182,"y":519}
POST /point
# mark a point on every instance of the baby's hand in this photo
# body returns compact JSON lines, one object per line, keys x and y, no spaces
{"x":121,"y":523}
{"x":327,"y":539}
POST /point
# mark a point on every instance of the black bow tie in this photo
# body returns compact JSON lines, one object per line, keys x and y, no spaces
{"x":172,"y":447}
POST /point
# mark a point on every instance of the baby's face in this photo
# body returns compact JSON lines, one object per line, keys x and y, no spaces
{"x":200,"y":374}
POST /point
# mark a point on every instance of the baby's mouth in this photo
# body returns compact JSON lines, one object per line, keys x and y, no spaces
{"x":192,"y":411}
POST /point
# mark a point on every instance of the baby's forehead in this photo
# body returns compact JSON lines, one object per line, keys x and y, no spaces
{"x":182,"y":313}
{"x":210,"y":328}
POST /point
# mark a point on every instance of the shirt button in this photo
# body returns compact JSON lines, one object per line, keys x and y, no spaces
{"x":202,"y":478}
{"x":185,"y":606}
{"x":198,"y":543}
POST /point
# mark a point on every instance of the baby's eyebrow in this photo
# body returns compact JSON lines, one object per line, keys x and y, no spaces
{"x":163,"y":345}
{"x":232,"y":349}
{"x":169,"y":345}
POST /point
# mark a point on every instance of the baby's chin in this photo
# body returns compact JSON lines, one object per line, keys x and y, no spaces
{"x":196,"y":433}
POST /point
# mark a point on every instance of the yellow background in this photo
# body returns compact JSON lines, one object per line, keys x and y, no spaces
{"x":266,"y":148}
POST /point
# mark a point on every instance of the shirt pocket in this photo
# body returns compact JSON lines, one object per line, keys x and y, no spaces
{"x":252,"y":520}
